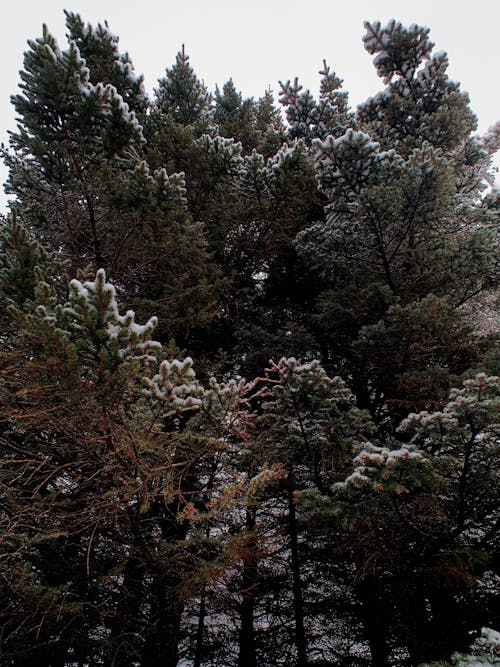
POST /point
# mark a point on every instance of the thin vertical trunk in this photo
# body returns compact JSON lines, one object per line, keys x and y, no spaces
{"x":89,"y":201}
{"x":167,"y":603}
{"x":298,"y":602}
{"x":419,"y":631}
{"x":375,"y":624}
{"x":198,"y":652}
{"x":93,"y":227}
{"x":161,"y":647}
{"x":249,"y":588}
{"x":123,"y":626}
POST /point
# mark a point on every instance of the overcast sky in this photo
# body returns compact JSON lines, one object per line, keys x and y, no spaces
{"x":259,"y":42}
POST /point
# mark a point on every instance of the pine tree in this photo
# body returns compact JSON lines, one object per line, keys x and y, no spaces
{"x":256,"y":124}
{"x":420,"y":103}
{"x":69,"y":129}
{"x":310,"y":120}
{"x":299,"y":518}
{"x":484,"y":651}
{"x":25,"y":265}
{"x":421,"y":526}
{"x":270,"y":129}
{"x":310,"y":427}
{"x":99,"y":48}
{"x":182,"y":95}
{"x":81,"y":185}
{"x":271,"y":199}
{"x":404,"y":214}
{"x":235,"y":116}
{"x":462,"y":442}
{"x":101,"y":467}
{"x":410,"y":358}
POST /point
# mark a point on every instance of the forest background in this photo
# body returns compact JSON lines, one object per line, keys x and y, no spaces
{"x":294,"y":458}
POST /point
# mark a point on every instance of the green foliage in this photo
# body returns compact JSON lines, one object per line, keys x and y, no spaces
{"x":181,"y":94}
{"x":463,"y":438}
{"x":310,"y":120}
{"x":26,"y":268}
{"x":257,"y":125}
{"x":420,"y":519}
{"x":81,"y":185}
{"x":69,"y":129}
{"x":310,"y":420}
{"x":414,"y":354}
{"x":298,"y":517}
{"x":485,"y":651}
{"x":93,"y":466}
{"x":408,"y":236}
{"x":99,"y":48}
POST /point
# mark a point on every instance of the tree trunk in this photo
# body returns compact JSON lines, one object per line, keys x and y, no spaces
{"x":124,"y":624}
{"x":249,"y":588}
{"x":373,"y":615}
{"x":161,"y":648}
{"x":298,"y":603}
{"x":198,"y":652}
{"x":167,"y":603}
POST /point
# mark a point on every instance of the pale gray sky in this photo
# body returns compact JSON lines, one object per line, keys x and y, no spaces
{"x":259,"y":42}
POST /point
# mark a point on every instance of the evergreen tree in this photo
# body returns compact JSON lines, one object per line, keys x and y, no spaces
{"x":25,"y":265}
{"x":99,"y":48}
{"x":182,"y":95}
{"x":310,"y":120}
{"x":410,"y":358}
{"x":485,"y":651}
{"x":421,"y":526}
{"x":68,"y":130}
{"x":273,"y":199}
{"x":235,"y":116}
{"x":298,"y":518}
{"x":256,"y":124}
{"x":101,"y":467}
{"x":75,"y":168}
{"x":269,"y":126}
{"x":310,"y":427}
{"x":405,"y":217}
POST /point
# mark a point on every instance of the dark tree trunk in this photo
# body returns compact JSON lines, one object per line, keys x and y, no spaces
{"x":125,"y":624}
{"x":298,"y":602}
{"x":161,"y":647}
{"x":374,"y":619}
{"x":248,"y":656}
{"x":198,"y":652}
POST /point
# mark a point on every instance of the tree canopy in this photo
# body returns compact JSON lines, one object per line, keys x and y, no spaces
{"x":249,"y":403}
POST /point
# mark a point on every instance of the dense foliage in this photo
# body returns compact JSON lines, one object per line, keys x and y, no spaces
{"x":336,"y":506}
